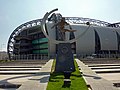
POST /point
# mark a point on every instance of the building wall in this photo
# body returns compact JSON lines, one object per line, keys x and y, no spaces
{"x":118,"y":30}
{"x":86,"y":43}
{"x":108,"y":38}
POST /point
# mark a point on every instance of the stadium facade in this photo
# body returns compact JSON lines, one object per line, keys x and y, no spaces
{"x":27,"y":41}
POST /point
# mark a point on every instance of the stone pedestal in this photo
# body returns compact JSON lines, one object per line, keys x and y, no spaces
{"x":64,"y":58}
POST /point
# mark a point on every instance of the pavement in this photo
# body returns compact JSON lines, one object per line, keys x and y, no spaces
{"x":94,"y":81}
{"x":36,"y":76}
{"x":40,"y":80}
{"x":25,"y":75}
{"x":110,"y":72}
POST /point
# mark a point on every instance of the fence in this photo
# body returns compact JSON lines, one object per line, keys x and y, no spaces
{"x":42,"y":57}
{"x":30,"y":57}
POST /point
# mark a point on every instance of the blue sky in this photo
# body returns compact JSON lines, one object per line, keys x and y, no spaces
{"x":16,"y":12}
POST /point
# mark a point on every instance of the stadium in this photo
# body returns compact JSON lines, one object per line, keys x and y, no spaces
{"x":101,"y":39}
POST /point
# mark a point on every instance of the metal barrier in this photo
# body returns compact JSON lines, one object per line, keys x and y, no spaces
{"x":98,"y":56}
{"x":30,"y":57}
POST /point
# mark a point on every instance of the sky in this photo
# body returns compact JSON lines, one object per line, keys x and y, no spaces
{"x":13,"y":13}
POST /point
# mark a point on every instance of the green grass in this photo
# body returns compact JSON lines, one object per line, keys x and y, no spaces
{"x":56,"y":80}
{"x":3,"y":61}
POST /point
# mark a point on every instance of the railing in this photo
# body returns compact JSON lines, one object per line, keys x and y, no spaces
{"x":90,"y":56}
{"x":30,"y":57}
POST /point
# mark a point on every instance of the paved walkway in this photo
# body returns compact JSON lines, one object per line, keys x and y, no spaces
{"x":39,"y":80}
{"x":92,"y":79}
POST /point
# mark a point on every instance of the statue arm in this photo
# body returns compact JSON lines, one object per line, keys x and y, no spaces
{"x":69,"y":25}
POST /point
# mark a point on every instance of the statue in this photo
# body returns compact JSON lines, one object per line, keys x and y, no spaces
{"x":61,"y":24}
{"x":64,"y":55}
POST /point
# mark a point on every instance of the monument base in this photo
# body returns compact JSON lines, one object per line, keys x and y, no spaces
{"x":64,"y":58}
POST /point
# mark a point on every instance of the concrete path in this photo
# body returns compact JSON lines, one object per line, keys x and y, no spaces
{"x":93,"y":80}
{"x":102,"y":65}
{"x":19,"y":70}
{"x":106,"y":70}
{"x":106,"y":67}
{"x":115,"y":77}
{"x":40,"y":80}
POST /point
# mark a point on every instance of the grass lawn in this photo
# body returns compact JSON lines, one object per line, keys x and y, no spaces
{"x":3,"y":61}
{"x":56,"y":80}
